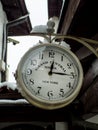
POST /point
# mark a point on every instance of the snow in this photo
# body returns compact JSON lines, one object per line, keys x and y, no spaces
{"x":18,"y":101}
{"x":13,"y":86}
{"x":10,"y":85}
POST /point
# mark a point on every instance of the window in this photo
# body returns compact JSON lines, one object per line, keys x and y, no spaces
{"x":38,"y":16}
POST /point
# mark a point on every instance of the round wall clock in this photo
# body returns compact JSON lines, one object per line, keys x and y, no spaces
{"x":49,"y":76}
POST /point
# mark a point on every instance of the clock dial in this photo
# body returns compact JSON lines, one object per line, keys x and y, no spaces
{"x":50,"y":75}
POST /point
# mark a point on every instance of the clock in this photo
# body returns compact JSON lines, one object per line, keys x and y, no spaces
{"x":49,"y":76}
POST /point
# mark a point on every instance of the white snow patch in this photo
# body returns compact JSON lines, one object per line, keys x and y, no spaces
{"x":9,"y":85}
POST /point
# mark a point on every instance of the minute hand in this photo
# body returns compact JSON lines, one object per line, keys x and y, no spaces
{"x":63,"y":74}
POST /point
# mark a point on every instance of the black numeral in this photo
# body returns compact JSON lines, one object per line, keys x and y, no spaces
{"x":51,"y":54}
{"x":29,"y":71}
{"x":72,"y":75}
{"x":69,"y":85}
{"x":50,"y":94}
{"x":33,"y":62}
{"x":61,"y":92}
{"x":62,"y":58}
{"x":31,"y":81}
{"x":38,"y":91}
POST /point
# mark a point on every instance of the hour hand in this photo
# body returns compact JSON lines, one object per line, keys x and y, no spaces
{"x":51,"y":68}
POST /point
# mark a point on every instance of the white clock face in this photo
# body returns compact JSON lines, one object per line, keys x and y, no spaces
{"x":50,"y":73}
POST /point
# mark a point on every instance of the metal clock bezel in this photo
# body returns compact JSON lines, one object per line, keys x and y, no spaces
{"x":43,"y":103}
